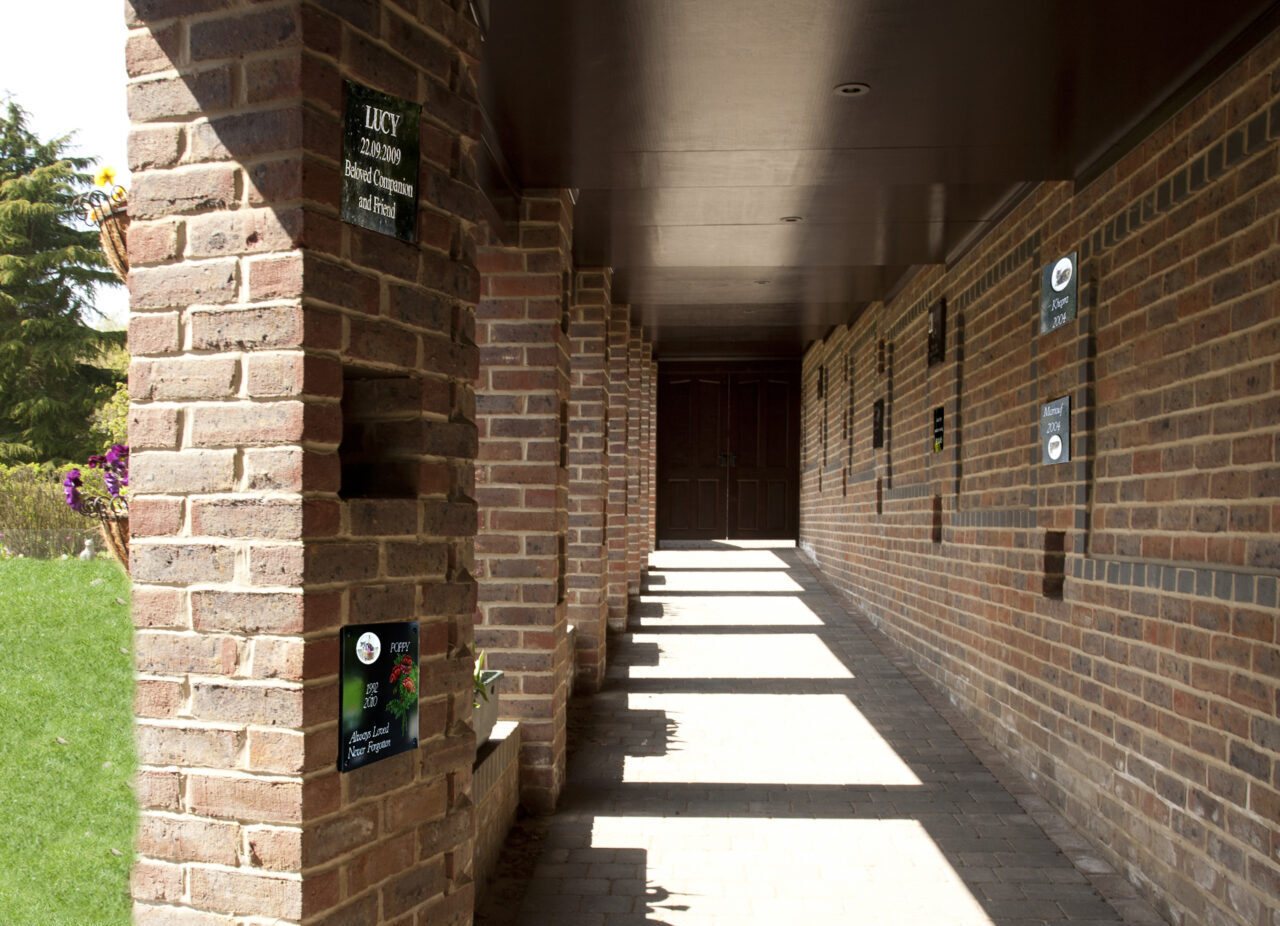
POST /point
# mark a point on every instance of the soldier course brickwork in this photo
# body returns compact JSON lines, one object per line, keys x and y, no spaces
{"x":1110,"y":623}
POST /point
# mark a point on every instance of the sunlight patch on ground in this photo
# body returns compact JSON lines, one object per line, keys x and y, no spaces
{"x":793,"y":871}
{"x":724,"y":611}
{"x":715,"y":559}
{"x":728,"y":581}
{"x":738,"y":655}
{"x":812,"y":740}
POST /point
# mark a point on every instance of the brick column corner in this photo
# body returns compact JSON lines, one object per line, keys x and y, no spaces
{"x":653,"y":456}
{"x":302,"y":427}
{"x":635,"y":459}
{"x":647,"y":434}
{"x":589,"y":472}
{"x":617,"y":505}
{"x":523,"y":482}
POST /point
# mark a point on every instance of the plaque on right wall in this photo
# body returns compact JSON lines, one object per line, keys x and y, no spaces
{"x":1055,"y":431}
{"x":1058,"y":293}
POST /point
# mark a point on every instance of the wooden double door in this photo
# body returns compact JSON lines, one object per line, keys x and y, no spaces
{"x":728,"y":451}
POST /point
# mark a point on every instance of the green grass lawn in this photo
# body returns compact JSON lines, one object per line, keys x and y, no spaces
{"x":65,"y":675}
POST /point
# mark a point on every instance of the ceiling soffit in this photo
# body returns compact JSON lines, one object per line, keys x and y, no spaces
{"x":691,"y":130}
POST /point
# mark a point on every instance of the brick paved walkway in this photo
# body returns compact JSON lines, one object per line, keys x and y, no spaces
{"x":756,"y":758}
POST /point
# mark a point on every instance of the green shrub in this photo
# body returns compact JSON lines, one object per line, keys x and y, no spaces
{"x":34,"y":518}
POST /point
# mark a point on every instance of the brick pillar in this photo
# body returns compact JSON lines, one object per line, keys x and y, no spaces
{"x":523,"y":483}
{"x":646,"y":455}
{"x":635,"y":461}
{"x":616,"y":520}
{"x":652,"y":448}
{"x":589,"y":471}
{"x":266,"y":336}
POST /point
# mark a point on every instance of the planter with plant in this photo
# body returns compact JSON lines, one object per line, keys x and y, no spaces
{"x":109,"y":505}
{"x":108,"y":208}
{"x":486,"y":700}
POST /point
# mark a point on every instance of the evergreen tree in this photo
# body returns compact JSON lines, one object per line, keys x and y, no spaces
{"x":49,"y":261}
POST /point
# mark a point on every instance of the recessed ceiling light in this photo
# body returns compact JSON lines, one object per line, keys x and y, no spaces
{"x":852,"y":89}
{"x":763,"y":282}
{"x":792,"y":218}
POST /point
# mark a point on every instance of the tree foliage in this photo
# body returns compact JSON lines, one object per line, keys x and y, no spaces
{"x":51,"y":376}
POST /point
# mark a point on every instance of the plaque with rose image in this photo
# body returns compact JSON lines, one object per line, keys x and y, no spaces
{"x":378,"y":693}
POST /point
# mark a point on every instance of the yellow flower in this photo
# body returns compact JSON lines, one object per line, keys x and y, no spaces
{"x":105,"y":176}
{"x":118,"y":194}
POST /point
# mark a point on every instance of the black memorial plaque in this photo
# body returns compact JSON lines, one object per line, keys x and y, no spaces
{"x":1058,"y":293}
{"x":378,"y":693}
{"x":877,"y":423}
{"x":1055,"y":431}
{"x":938,"y":332}
{"x":380,"y":162}
{"x":937,"y":429}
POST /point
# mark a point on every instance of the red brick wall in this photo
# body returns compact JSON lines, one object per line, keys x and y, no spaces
{"x":589,"y":471}
{"x":1110,"y":623}
{"x":523,"y":482}
{"x":269,"y":339}
{"x":619,"y":410}
{"x":636,"y":461}
{"x":644,"y":450}
{"x":639,"y":459}
{"x":651,"y":448}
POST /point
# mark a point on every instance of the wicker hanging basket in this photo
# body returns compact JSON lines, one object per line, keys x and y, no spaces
{"x":112,"y":515}
{"x":111,"y":215}
{"x":115,"y":534}
{"x":113,"y":234}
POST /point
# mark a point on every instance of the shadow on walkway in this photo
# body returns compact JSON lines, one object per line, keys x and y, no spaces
{"x":757,"y":756}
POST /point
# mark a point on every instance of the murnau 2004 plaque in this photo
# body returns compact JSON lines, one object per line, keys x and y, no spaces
{"x":380,"y":162}
{"x":1055,"y":431}
{"x":378,"y":693}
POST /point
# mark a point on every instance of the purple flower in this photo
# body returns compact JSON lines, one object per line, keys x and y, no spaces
{"x":115,"y":468}
{"x":114,"y":465}
{"x":71,"y":485}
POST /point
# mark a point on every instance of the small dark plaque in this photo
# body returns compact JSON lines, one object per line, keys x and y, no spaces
{"x":937,"y":429}
{"x":938,"y":332}
{"x":1058,"y":293}
{"x":379,"y":693}
{"x":380,"y":162}
{"x":1055,"y":431}
{"x":877,"y":423}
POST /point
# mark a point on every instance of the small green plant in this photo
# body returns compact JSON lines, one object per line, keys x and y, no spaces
{"x":481,"y":693}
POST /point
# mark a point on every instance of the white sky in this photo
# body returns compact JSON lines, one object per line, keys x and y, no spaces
{"x":63,"y":62}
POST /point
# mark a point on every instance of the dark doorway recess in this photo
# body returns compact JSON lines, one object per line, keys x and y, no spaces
{"x":728,"y":450}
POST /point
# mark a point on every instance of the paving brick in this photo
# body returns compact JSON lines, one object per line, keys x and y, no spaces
{"x":869,"y":806}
